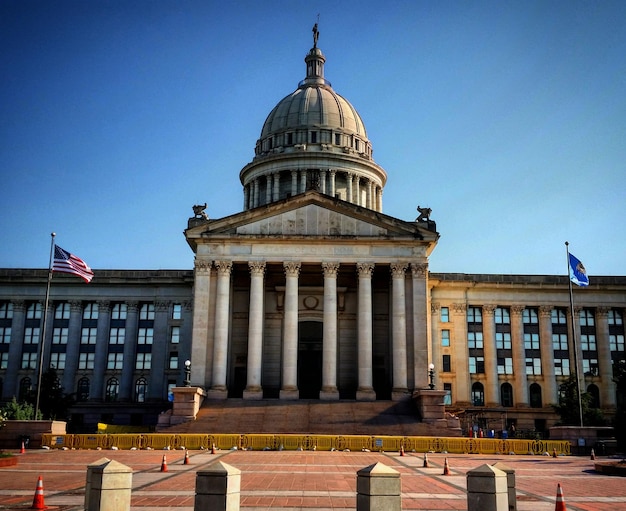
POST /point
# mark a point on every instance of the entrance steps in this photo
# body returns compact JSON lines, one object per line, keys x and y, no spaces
{"x":343,"y":417}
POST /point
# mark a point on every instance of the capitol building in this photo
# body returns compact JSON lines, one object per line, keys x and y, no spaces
{"x":312,"y":292}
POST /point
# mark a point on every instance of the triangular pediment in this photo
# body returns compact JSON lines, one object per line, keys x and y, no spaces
{"x":311,"y":214}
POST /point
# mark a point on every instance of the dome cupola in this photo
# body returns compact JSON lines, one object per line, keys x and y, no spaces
{"x":313,"y":138}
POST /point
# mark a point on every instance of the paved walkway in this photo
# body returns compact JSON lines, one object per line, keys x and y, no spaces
{"x":291,"y":481}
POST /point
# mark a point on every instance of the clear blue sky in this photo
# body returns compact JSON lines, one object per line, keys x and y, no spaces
{"x":508,"y":119}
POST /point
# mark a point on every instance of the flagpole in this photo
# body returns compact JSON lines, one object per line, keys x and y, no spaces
{"x":574,"y":343}
{"x":45,"y":323}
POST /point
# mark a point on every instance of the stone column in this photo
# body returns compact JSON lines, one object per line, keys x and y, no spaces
{"x":349,"y":176}
{"x":130,"y":348}
{"x":365,"y":391}
{"x":255,"y":192}
{"x":547,"y":356}
{"x":323,"y":181}
{"x":492,"y":394}
{"x":294,"y":182}
{"x":220,"y":348}
{"x":276,"y":194}
{"x":332,"y":183}
{"x":380,"y":199}
{"x":460,"y":360}
{"x":356,"y":193}
{"x":398,"y":327}
{"x":73,"y":343}
{"x":519,"y":356}
{"x":289,"y":389}
{"x":246,"y":197}
{"x":302,"y":181}
{"x":11,"y":384}
{"x":96,"y":389}
{"x":157,"y":386}
{"x":255,"y":331}
{"x":200,"y":346}
{"x":329,"y":350}
{"x":368,"y":194}
{"x":605,"y":365}
{"x":268,"y":188}
{"x":422,"y":340}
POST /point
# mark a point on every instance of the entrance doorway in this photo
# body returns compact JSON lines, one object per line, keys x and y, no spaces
{"x":310,"y":359}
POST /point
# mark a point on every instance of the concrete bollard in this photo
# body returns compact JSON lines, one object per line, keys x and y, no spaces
{"x":90,"y":468}
{"x":510,"y":483}
{"x":487,"y":489}
{"x":218,"y":488}
{"x":378,"y":488}
{"x":109,"y":486}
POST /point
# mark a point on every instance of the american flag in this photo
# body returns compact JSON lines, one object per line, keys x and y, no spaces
{"x":64,"y":262}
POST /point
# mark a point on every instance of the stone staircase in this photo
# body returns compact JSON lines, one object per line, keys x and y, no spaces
{"x":275,"y":416}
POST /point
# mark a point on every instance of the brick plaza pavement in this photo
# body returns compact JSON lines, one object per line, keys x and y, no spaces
{"x":291,"y":480}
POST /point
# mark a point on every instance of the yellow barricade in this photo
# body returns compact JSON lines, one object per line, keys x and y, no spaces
{"x":258,"y":442}
{"x":90,"y":441}
{"x":323,"y":442}
{"x":387,"y":443}
{"x":158,"y":441}
{"x":354,"y":442}
{"x":225,"y":442}
{"x":194,"y":442}
{"x":125,"y":441}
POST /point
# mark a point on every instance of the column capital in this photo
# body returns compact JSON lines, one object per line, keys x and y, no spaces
{"x":292,"y":268}
{"x":434,"y":307}
{"x":104,"y":305}
{"x":365,"y":270}
{"x":132,"y":306}
{"x":488,"y":310}
{"x":602,"y":311}
{"x":256,"y":267}
{"x":459,"y":308}
{"x":202,"y":267}
{"x":419,"y":270}
{"x":224,"y":267}
{"x":18,"y":305}
{"x":162,"y":305}
{"x":330,"y":269}
{"x":398,"y":269}
{"x":545,"y":310}
{"x":76,"y":306}
{"x":517,"y":310}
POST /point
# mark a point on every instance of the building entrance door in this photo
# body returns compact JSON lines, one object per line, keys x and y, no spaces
{"x":310,"y":359}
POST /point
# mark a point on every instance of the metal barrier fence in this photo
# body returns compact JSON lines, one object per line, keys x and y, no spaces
{"x":453,"y":445}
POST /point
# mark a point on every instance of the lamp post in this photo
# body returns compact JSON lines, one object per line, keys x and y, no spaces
{"x":187,"y":373}
{"x":431,"y":376}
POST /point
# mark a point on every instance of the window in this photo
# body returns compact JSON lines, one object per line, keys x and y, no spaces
{"x":82,"y":389}
{"x":177,"y":311}
{"x":594,"y":392}
{"x":112,"y":389}
{"x":444,"y":315}
{"x":337,"y":139}
{"x":614,"y":317}
{"x":558,"y":317}
{"x":6,"y":310}
{"x":588,"y":342}
{"x":616,"y":342}
{"x":476,"y":365}
{"x":446,"y":365}
{"x":143,"y":361}
{"x":586,"y":318}
{"x":175,"y":335}
{"x":117,"y":335}
{"x":4,"y":360}
{"x":561,"y":366}
{"x":29,"y":360}
{"x":535,"y":396}
{"x":531,"y":341}
{"x":474,"y":339}
{"x":33,"y":310}
{"x":474,"y":315}
{"x":90,"y":311}
{"x":57,"y":360}
{"x":505,"y":365}
{"x":314,"y":137}
{"x":590,"y":366}
{"x":447,"y":399}
{"x":25,"y":388}
{"x":59,"y":335}
{"x":173,"y":364}
{"x":118,"y":311}
{"x":115,"y":361}
{"x":88,"y":335}
{"x":559,"y":342}
{"x":530,"y":316}
{"x":445,"y":337}
{"x":5,"y":335}
{"x":62,"y":311}
{"x":145,"y":336}
{"x":502,"y":316}
{"x":533,"y":366}
{"x":503,"y":340}
{"x":86,"y":360}
{"x":147,"y":311}
{"x":506,"y":395}
{"x":478,"y":394}
{"x":141,"y":388}
{"x":31,"y":335}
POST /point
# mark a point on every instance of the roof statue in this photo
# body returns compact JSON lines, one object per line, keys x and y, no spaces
{"x":424,"y":214}
{"x":198,"y":211}
{"x":316,"y":35}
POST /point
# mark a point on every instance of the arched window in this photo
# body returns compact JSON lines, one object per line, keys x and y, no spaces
{"x":535,"y":396}
{"x":594,"y":392}
{"x":506,"y":394}
{"x":82,"y":389}
{"x":478,"y":394}
{"x":141,"y":389}
{"x":112,"y":389}
{"x":25,"y":388}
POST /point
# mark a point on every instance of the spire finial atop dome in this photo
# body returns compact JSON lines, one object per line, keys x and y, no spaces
{"x":316,"y":33}
{"x":314,"y":64}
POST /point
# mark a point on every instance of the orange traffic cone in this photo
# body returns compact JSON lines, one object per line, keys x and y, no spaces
{"x":213,"y":449}
{"x":446,"y":468}
{"x":164,"y":464}
{"x":593,"y":454}
{"x":402,"y":450}
{"x":426,"y":464}
{"x":186,"y":459}
{"x":554,"y":455}
{"x":38,"y":500}
{"x":22,"y":449}
{"x":560,"y":500}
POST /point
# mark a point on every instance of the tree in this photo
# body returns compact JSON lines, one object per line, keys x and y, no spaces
{"x":568,"y":408}
{"x":18,"y":411}
{"x":53,"y":402}
{"x":619,"y":422}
